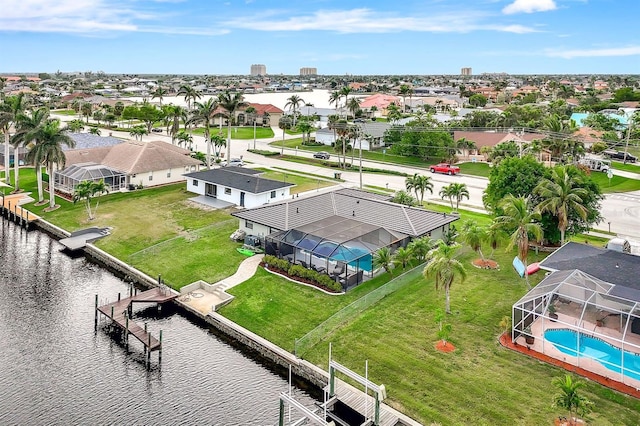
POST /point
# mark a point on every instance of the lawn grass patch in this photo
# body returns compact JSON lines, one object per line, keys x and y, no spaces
{"x":617,"y":183}
{"x":67,"y":112}
{"x":303,"y":183}
{"x":475,"y":169}
{"x":237,"y":132}
{"x":629,"y":167}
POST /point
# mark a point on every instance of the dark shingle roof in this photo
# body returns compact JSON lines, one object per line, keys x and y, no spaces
{"x":239,"y":178}
{"x":358,"y":205}
{"x":615,"y":267}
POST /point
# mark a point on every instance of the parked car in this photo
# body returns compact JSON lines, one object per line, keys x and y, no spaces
{"x":619,"y":155}
{"x":324,"y":155}
{"x":156,"y":130}
{"x":445,"y":168}
{"x":235,"y":162}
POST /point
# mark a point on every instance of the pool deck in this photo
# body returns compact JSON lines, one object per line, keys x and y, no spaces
{"x":589,"y":368}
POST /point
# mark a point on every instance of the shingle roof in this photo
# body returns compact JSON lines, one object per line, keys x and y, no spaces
{"x":134,"y":157}
{"x":238,"y":178}
{"x":88,"y":140}
{"x":358,"y":205}
{"x":615,"y":267}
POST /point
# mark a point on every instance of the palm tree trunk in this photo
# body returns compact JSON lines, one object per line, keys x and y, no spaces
{"x":447,"y":303}
{"x":229,"y":140}
{"x":88,"y":206}
{"x":6,"y":157}
{"x":39,"y":180}
{"x":16,"y":170}
{"x":52,"y":187}
{"x":207,"y":140}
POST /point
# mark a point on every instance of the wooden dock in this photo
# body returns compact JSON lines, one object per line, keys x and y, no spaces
{"x":358,"y":401}
{"x":10,"y":208}
{"x":120,"y":313}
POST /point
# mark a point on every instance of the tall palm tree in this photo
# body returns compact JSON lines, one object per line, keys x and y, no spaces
{"x":353,"y":106}
{"x":334,"y":98}
{"x":344,"y":93}
{"x":27,"y":127}
{"x":569,"y":398}
{"x":87,"y":110}
{"x":159,"y":93}
{"x":231,"y":103}
{"x":393,"y":113}
{"x":138,"y":132}
{"x":561,"y":195}
{"x":190,"y":94}
{"x":293,"y":103}
{"x":203,"y":113}
{"x":454,"y":191}
{"x":52,"y":138}
{"x":466,"y":146}
{"x":10,"y":108}
{"x":519,"y":220}
{"x":404,"y":91}
{"x":445,"y":268}
{"x":184,"y":137}
{"x":419,"y":184}
{"x":474,"y":235}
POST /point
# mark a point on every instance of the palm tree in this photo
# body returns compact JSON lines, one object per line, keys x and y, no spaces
{"x":203,"y":113}
{"x":184,"y":137}
{"x":334,"y":98}
{"x":87,"y":110}
{"x":75,"y":126}
{"x":456,"y":191}
{"x":174,"y":114}
{"x":158,"y":93}
{"x":495,"y":237}
{"x":190,"y":94}
{"x":138,"y":132}
{"x":95,"y":131}
{"x":344,"y":92}
{"x":419,"y":184}
{"x":562,"y":196}
{"x":353,"y":106}
{"x":52,"y":138}
{"x":27,"y":127}
{"x":569,"y":398}
{"x":402,"y":257}
{"x":218,"y":143}
{"x":404,"y":91}
{"x":519,"y":220}
{"x":420,"y":248}
{"x":231,"y":103}
{"x":285,"y":124}
{"x":474,"y":235}
{"x":393,"y":113}
{"x":10,"y":108}
{"x":88,"y":189}
{"x":383,"y":259}
{"x":445,"y":268}
{"x":293,"y":103}
{"x":466,"y":146}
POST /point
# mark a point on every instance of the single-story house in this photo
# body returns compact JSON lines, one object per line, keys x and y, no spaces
{"x":338,"y":232}
{"x":371,"y":135}
{"x":237,"y":186}
{"x":142,"y":163}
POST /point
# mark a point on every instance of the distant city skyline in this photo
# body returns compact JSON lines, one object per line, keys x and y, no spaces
{"x":419,"y":37}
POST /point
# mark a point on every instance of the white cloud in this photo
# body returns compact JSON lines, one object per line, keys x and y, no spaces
{"x":365,"y":20}
{"x":593,"y":53}
{"x":529,"y":6}
{"x":88,"y":17}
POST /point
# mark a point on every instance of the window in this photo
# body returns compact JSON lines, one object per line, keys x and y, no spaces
{"x":248,"y":224}
{"x":186,"y":168}
{"x":193,"y":168}
{"x":168,"y":174}
{"x":195,"y":182}
{"x":273,"y":194}
{"x":227,"y":191}
{"x":150,"y":177}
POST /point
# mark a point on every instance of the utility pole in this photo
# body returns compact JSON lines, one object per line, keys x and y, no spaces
{"x":626,"y":145}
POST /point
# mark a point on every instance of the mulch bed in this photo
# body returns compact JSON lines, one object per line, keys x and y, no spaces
{"x":505,"y":340}
{"x":485,"y":264}
{"x":445,"y":347}
{"x":299,"y":279}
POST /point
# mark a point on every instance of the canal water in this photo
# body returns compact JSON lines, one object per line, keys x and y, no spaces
{"x":54,"y":370}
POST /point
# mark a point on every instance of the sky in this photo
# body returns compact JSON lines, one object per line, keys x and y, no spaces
{"x":336,"y":37}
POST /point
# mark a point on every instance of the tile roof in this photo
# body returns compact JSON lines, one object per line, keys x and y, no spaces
{"x":247,"y":180}
{"x":615,"y":267}
{"x":88,"y":140}
{"x":363,"y":206}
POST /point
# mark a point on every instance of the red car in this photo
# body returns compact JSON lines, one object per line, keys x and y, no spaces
{"x":445,"y":168}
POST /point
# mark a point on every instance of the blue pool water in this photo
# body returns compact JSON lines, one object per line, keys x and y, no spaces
{"x":566,"y":341}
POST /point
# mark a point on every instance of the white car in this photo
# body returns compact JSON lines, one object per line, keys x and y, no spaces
{"x":235,"y":162}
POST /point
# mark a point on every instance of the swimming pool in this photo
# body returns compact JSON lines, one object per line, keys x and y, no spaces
{"x":566,"y":341}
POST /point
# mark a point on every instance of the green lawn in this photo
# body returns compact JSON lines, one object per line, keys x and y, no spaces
{"x":303,"y":183}
{"x":629,"y":167}
{"x":475,"y":169}
{"x":617,"y":183}
{"x":151,"y":227}
{"x":69,"y":112}
{"x":481,"y":383}
{"x":238,"y":132}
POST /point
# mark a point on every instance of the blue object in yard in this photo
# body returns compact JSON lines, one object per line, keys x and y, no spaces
{"x":519,"y":266}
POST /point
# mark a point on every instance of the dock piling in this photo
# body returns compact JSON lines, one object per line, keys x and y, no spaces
{"x":126,"y":331}
{"x":95,"y":320}
{"x":160,"y":350}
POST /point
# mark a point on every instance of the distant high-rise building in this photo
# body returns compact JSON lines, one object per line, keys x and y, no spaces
{"x":465,"y":71}
{"x":258,"y":69}
{"x":308,"y":71}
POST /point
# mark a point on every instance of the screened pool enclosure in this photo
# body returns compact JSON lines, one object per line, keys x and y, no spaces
{"x":583,"y":321}
{"x":69,"y":178}
{"x":340,"y":247}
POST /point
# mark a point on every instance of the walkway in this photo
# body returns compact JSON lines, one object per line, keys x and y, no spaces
{"x":205,"y":297}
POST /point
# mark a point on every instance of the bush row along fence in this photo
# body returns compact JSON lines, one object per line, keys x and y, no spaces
{"x":350,"y":311}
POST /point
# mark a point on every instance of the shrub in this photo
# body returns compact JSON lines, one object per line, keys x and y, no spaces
{"x":264,"y":152}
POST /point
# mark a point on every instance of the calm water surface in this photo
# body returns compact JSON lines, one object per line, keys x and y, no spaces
{"x":55,"y":370}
